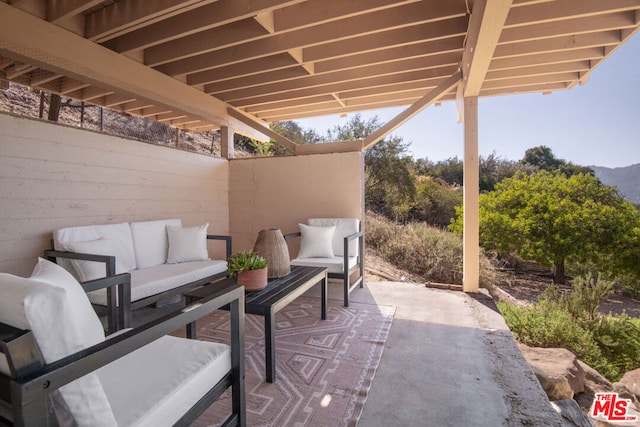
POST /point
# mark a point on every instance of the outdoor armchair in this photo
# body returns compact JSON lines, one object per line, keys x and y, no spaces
{"x":334,"y":243}
{"x":57,"y":365}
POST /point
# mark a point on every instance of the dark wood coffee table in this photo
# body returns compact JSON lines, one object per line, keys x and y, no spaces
{"x":268,"y":301}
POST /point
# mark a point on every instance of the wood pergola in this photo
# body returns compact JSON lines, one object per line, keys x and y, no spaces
{"x":238,"y":65}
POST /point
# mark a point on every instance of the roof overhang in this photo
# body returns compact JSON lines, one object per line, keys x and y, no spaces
{"x":203,"y":64}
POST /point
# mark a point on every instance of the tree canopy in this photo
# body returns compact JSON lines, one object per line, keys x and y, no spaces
{"x":555,"y":219}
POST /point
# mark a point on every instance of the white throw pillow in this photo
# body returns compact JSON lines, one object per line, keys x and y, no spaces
{"x":187,"y":243}
{"x":90,"y":270}
{"x":150,"y":242}
{"x":316,"y":242}
{"x":344,"y":227}
{"x":50,"y":303}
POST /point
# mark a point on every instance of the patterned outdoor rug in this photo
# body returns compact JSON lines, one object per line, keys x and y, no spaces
{"x":324,"y":368}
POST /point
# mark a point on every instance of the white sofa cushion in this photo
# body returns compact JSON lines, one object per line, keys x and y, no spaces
{"x":333,"y":264}
{"x":153,"y":280}
{"x":90,"y":270}
{"x":187,"y":243}
{"x":52,"y":304}
{"x":164,"y":379}
{"x":316,"y":241}
{"x":150,"y":242}
{"x":120,"y":234}
{"x":344,"y":227}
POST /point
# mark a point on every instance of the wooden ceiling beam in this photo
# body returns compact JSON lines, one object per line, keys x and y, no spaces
{"x":57,"y":10}
{"x":377,"y":42}
{"x":127,"y":15}
{"x":262,"y":128}
{"x":528,"y":81}
{"x":563,"y":43}
{"x":565,"y":9}
{"x":441,"y":72}
{"x":589,"y":24}
{"x":194,"y":21}
{"x":431,"y":97}
{"x":225,"y":90}
{"x":313,"y":100}
{"x":45,"y":45}
{"x":228,"y":35}
{"x":249,"y":68}
{"x":311,"y":12}
{"x":538,"y":70}
{"x":591,"y":53}
{"x":485,"y":25}
{"x":411,"y":14}
{"x":423,"y":49}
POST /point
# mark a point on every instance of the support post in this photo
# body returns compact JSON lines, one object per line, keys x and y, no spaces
{"x":226,"y":142}
{"x":471,"y":182}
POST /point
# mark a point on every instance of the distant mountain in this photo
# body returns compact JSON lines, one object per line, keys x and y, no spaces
{"x":627,"y":179}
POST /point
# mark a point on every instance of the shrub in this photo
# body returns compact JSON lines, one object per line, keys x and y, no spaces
{"x":610,"y":344}
{"x":553,"y":326}
{"x":429,"y":252}
{"x":619,"y":340}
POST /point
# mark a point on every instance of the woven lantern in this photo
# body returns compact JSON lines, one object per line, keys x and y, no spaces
{"x":271,"y":245}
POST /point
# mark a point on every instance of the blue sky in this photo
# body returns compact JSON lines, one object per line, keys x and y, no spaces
{"x":594,"y":124}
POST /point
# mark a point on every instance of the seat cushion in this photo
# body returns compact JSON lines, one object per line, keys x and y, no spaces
{"x":333,"y":264}
{"x":52,"y":304}
{"x":163,"y":379}
{"x":119,"y":234}
{"x":160,"y":278}
{"x":150,"y":242}
{"x":344,"y":227}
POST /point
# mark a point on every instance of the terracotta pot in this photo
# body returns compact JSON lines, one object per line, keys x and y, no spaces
{"x":253,"y":280}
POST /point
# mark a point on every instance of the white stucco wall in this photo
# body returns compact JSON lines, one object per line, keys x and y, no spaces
{"x":54,"y":176}
{"x":281,"y":192}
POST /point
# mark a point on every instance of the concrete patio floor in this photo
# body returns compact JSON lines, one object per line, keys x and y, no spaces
{"x":449,"y":360}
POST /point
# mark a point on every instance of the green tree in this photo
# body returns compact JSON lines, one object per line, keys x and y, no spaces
{"x":436,"y":201}
{"x":389,"y":180}
{"x":292,"y":131}
{"x":554,"y":219}
{"x":543,"y":158}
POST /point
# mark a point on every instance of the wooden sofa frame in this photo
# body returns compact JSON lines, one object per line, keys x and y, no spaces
{"x":348,"y":284}
{"x":119,"y":310}
{"x":25,"y":395}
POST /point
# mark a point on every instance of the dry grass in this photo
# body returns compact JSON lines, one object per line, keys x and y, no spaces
{"x":433,"y":254}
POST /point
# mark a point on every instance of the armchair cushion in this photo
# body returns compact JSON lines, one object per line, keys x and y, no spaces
{"x":187,"y":244}
{"x":161,"y":385}
{"x":150,"y":241}
{"x":54,"y":307}
{"x":344,"y":227}
{"x":333,"y":264}
{"x":90,"y":270}
{"x":316,"y":241}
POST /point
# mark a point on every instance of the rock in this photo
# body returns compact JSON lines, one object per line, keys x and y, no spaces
{"x":593,"y":381}
{"x":571,"y":414}
{"x":557,"y":369}
{"x":632,"y":381}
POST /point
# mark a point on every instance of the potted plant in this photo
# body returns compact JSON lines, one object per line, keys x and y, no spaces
{"x":250,"y":268}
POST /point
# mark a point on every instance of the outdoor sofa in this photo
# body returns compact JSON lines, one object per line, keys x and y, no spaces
{"x":164,"y":259}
